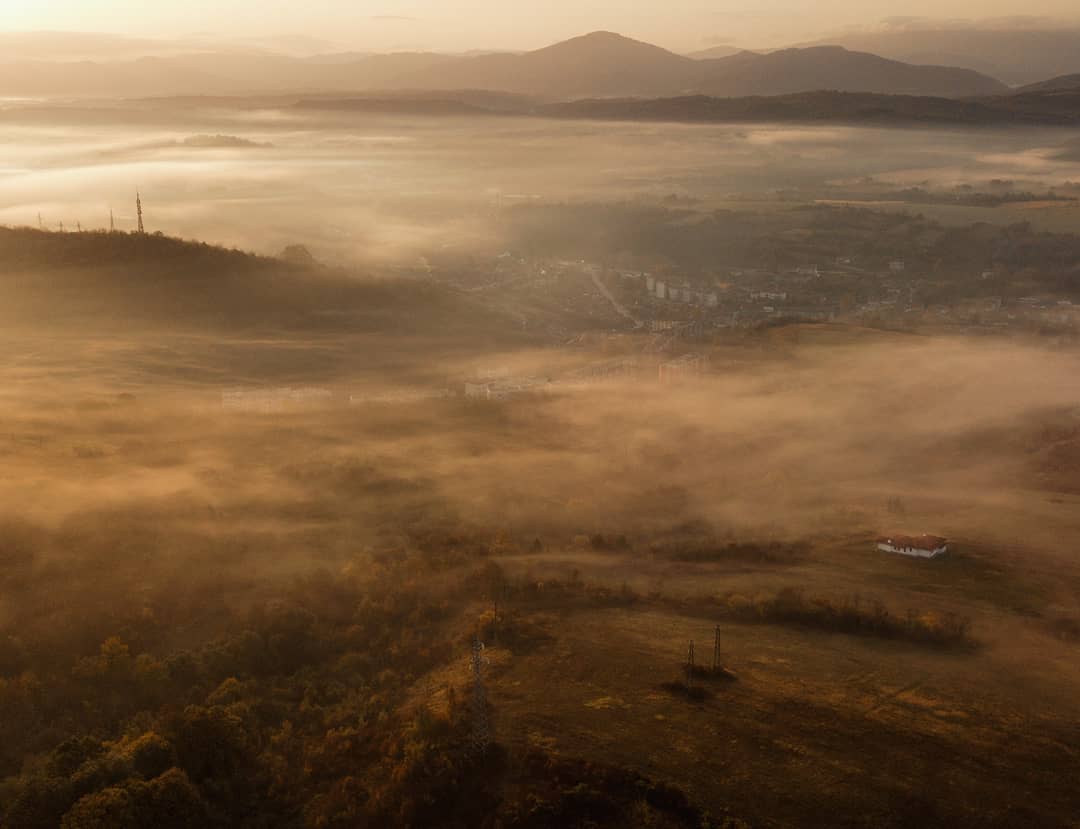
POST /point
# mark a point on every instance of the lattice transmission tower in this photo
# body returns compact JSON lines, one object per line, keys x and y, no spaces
{"x":481,"y":730}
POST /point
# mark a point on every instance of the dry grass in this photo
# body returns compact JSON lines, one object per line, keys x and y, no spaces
{"x":818,"y":729}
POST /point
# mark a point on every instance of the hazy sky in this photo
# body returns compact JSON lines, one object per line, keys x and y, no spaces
{"x":466,"y":24}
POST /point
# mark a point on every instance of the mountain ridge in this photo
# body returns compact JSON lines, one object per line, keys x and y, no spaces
{"x":1054,"y":108}
{"x":1016,"y":55}
{"x":1061,"y":83}
{"x":598,"y":64}
{"x":790,"y":71}
{"x":825,"y":106}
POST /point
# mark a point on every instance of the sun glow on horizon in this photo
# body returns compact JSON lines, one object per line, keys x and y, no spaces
{"x":18,"y":15}
{"x":407,"y":25}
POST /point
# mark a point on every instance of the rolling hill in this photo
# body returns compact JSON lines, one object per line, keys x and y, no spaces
{"x":791,"y":71}
{"x":802,"y":107}
{"x":1062,"y":83}
{"x":125,"y":282}
{"x":597,"y":65}
{"x":1017,"y":54}
{"x":1060,"y":109}
{"x":714,"y":52}
{"x":1053,"y":108}
{"x":604,"y":64}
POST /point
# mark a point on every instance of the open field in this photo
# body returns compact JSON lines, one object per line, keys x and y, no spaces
{"x":818,"y":730}
{"x":128,"y":476}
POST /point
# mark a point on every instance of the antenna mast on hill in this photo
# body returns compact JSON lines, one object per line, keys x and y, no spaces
{"x":138,"y":209}
{"x":112,"y":222}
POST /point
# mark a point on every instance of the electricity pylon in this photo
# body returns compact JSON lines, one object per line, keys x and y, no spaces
{"x":481,"y":731}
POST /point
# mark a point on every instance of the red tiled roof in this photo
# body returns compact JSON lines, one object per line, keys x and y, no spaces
{"x":918,"y":542}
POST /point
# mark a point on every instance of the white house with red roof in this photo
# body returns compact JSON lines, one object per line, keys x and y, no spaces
{"x":919,"y":546}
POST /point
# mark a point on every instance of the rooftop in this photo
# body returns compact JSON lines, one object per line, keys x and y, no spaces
{"x":918,"y":542}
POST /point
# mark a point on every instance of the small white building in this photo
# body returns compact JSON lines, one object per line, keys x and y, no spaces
{"x":683,"y":368}
{"x":506,"y":388}
{"x":921,"y":546}
{"x":478,"y":391}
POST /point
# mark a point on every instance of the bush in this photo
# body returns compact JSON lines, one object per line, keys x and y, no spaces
{"x":850,"y":615}
{"x":166,"y":802}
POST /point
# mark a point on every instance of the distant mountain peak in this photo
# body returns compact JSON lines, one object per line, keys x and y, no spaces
{"x":601,"y":34}
{"x":603,"y":40}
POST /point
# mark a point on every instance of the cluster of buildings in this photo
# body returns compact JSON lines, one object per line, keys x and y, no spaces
{"x":571,"y":294}
{"x":685,"y":293}
{"x":398,"y":396}
{"x":687,"y":367}
{"x":891,"y":292}
{"x":740,"y":298}
{"x":483,"y":386}
{"x":505,"y":388}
